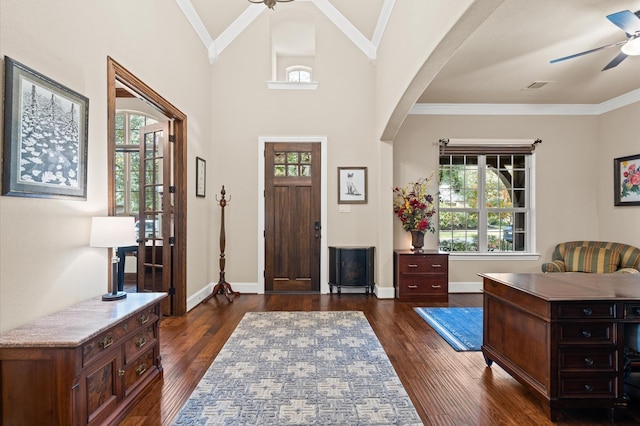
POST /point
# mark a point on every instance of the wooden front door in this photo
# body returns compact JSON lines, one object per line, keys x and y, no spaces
{"x":292,"y":217}
{"x":155,"y":250}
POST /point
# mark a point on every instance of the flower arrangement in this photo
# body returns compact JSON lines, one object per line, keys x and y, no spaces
{"x":631,"y":182}
{"x":414,"y":205}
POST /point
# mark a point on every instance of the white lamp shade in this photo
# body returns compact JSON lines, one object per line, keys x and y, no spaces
{"x":113,"y":231}
{"x":632,"y":46}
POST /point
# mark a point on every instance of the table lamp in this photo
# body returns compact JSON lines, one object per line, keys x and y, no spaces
{"x":113,"y":232}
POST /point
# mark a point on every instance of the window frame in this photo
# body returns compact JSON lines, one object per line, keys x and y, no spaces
{"x":529,"y":252}
{"x":298,"y":68}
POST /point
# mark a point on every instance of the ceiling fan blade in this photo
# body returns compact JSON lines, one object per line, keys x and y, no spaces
{"x":615,"y":61}
{"x":575,"y":55}
{"x":627,"y":20}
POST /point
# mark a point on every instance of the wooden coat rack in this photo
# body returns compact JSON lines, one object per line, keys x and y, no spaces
{"x":223,"y":287}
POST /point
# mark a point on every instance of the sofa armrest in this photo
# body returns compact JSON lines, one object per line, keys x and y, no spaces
{"x":555,"y":266}
{"x":627,"y":271}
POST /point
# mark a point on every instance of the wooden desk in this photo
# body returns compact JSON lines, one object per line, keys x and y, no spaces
{"x":562,"y":335}
{"x":85,"y":365}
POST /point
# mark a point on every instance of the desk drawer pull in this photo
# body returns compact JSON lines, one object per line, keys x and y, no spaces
{"x":141,"y":369}
{"x":436,"y":286}
{"x":412,"y":286}
{"x":412,"y":265}
{"x":144,"y":318}
{"x":141,"y":342}
{"x":436,"y":266}
{"x":636,"y":311}
{"x":586,"y":333}
{"x":588,"y":361}
{"x":587,"y":312}
{"x":588,"y":388}
{"x":106,"y":342}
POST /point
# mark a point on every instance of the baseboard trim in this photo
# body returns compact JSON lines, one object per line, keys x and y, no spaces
{"x":465,"y":287}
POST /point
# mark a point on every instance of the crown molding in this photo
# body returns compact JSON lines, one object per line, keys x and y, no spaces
{"x":527,"y":109}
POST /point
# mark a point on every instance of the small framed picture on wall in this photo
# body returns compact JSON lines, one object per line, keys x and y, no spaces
{"x":352,"y":185}
{"x":201,"y":177}
{"x":626,"y":180}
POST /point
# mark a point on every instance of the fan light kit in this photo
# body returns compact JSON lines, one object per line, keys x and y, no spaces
{"x":270,"y":3}
{"x":629,"y":22}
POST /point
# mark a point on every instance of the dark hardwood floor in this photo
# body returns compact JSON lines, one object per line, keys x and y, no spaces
{"x":446,"y":387}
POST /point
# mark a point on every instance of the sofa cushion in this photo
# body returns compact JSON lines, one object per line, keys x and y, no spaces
{"x":591,"y":259}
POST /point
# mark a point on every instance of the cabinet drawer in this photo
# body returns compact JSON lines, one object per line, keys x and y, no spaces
{"x":587,"y":387}
{"x":112,"y":337}
{"x":632,"y":310}
{"x":423,"y":284}
{"x":588,"y":360}
{"x":423,"y":263}
{"x":140,"y":341}
{"x":138,"y":369}
{"x":587,"y":310}
{"x":587,"y":333}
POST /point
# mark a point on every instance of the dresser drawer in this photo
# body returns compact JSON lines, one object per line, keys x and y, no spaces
{"x":588,"y":360}
{"x":596,"y":386}
{"x":411,"y":284}
{"x":140,"y":341}
{"x":587,"y":310}
{"x":423,"y":263}
{"x":587,"y":333}
{"x":138,"y":369}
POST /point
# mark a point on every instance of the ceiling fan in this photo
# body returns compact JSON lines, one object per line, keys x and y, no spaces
{"x":629,"y":22}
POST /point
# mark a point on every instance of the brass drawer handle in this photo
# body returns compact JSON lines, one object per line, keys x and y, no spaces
{"x":587,"y":312}
{"x":144,"y":318}
{"x":141,"y":342}
{"x":588,"y":361}
{"x":436,"y":266}
{"x":106,"y":342}
{"x":141,"y":369}
{"x":412,"y":265}
{"x":586,"y":333}
{"x":412,"y":286}
{"x":436,"y":286}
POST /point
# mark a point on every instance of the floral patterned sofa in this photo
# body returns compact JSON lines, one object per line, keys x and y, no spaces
{"x":594,"y":257}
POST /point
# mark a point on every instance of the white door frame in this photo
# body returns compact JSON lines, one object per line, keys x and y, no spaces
{"x":262,"y":141}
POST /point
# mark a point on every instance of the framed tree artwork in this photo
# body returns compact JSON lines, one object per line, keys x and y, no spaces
{"x":45,"y":140}
{"x":626,"y":180}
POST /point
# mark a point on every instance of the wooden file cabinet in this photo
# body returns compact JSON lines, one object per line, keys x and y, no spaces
{"x":85,"y":365}
{"x":421,"y":276}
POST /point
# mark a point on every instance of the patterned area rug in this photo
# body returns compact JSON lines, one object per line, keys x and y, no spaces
{"x":460,"y":327}
{"x":300,"y":368}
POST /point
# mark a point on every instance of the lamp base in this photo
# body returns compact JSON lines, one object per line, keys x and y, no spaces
{"x":114,"y":296}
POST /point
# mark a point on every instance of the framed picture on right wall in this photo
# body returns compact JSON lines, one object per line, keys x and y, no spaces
{"x":626,"y":180}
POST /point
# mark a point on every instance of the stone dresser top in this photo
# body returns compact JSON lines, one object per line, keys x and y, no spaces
{"x":76,"y":324}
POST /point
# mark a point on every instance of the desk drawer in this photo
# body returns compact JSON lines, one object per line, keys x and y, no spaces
{"x":140,"y":341}
{"x":587,"y":333}
{"x":588,"y":387}
{"x":588,"y":360}
{"x":587,"y":311}
{"x":431,"y":263}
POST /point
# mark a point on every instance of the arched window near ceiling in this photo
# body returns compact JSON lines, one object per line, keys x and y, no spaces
{"x":299,"y":74}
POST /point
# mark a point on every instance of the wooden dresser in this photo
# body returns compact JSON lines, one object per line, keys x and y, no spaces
{"x":421,"y":276}
{"x":562,"y":335}
{"x":86,"y":364}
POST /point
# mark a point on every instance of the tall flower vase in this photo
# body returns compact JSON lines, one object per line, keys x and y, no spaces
{"x":417,"y":240}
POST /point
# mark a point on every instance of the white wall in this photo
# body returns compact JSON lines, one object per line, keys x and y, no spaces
{"x":45,"y":261}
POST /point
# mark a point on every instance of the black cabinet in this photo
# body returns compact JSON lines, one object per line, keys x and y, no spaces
{"x":351,"y":267}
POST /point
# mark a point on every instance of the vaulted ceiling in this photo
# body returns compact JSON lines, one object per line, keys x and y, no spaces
{"x":509,"y":52}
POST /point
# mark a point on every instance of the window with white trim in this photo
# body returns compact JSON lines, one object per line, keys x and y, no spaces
{"x":485,"y":195}
{"x":299,"y":74}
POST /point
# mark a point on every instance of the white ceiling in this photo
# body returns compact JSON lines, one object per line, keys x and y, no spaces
{"x":511,"y":50}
